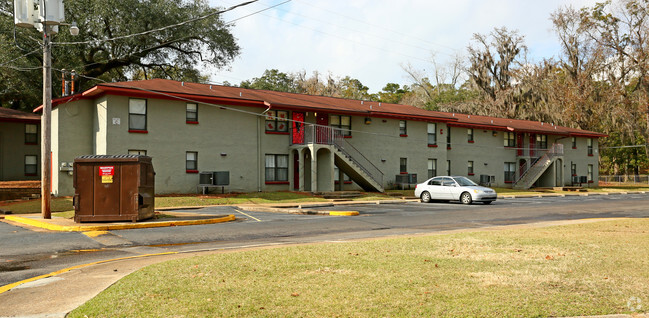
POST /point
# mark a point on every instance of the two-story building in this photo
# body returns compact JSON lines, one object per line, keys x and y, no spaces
{"x":276,"y":141}
{"x":19,"y":145}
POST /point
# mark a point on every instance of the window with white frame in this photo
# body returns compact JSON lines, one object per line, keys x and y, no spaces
{"x":432,"y":168}
{"x":346,"y":178}
{"x":137,"y":114}
{"x":403,"y":165}
{"x":277,"y":121}
{"x":276,"y":168}
{"x":510,"y":172}
{"x":191,"y":161}
{"x":191,"y":113}
{"x":573,"y":169}
{"x":470,"y":167}
{"x":509,"y":139}
{"x":342,"y":122}
{"x":590,"y":173}
{"x":403,"y":128}
{"x":574,"y":142}
{"x":432,"y":134}
{"x":469,"y":134}
{"x":589,"y":145}
{"x":31,"y":134}
{"x":541,"y":142}
{"x":31,"y":165}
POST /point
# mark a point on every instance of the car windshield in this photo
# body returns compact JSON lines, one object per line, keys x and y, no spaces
{"x":464,"y":182}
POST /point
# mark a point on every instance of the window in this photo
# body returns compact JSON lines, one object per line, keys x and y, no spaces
{"x":590,"y":173}
{"x":448,"y":167}
{"x":31,"y":165}
{"x":509,"y":139}
{"x":574,"y":142}
{"x":191,"y":162}
{"x":403,"y":165}
{"x":191,"y":115}
{"x":276,"y":168}
{"x":31,"y":134}
{"x":510,"y":172}
{"x":137,"y":115}
{"x":403,"y":128}
{"x":469,"y":134}
{"x":541,"y":142}
{"x":432,"y":168}
{"x":589,"y":145}
{"x":432,"y":134}
{"x":470,"y":168}
{"x":448,"y":137}
{"x":343,"y":123}
{"x":276,"y":121}
{"x":137,"y":152}
{"x":573,"y":169}
{"x":346,"y":178}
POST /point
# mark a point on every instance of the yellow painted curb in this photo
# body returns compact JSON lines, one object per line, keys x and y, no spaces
{"x":95,"y":233}
{"x":14,"y":285}
{"x":110,"y":227}
{"x":344,"y":213}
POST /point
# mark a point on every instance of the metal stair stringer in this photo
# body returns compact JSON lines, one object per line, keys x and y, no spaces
{"x":539,"y":167}
{"x":355,"y":171}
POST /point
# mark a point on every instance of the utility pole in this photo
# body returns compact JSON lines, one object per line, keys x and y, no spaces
{"x":45,"y":16}
{"x":46,"y":127}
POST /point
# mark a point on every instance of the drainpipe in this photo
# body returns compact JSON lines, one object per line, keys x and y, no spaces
{"x":260,"y":160}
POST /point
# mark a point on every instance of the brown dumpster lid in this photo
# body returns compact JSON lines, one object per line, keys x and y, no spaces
{"x":120,"y":158}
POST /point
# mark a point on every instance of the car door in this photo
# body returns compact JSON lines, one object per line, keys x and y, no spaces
{"x":434,"y":187}
{"x":447,"y":188}
{"x":454,"y":189}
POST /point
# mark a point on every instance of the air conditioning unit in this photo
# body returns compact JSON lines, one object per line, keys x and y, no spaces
{"x":412,"y":178}
{"x":401,"y":178}
{"x":216,"y":178}
{"x":583,"y":179}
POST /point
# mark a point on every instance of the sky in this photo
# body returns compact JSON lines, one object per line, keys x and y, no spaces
{"x":373,"y":40}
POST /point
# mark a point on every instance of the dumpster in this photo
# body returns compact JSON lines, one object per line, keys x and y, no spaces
{"x":113,"y":188}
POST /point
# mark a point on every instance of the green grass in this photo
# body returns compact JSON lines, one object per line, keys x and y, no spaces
{"x":34,"y":206}
{"x":583,"y":269}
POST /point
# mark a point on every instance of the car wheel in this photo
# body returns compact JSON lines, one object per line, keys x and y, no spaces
{"x":465,"y":198}
{"x":487,"y":202}
{"x":425,"y":197}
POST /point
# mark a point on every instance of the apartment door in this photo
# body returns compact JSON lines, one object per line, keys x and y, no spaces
{"x":296,"y":168}
{"x":532,"y":145}
{"x":298,"y":128}
{"x":322,"y":136}
{"x":519,"y":144}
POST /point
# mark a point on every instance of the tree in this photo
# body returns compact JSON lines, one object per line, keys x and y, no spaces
{"x":272,"y":80}
{"x":393,"y":93}
{"x":175,"y":53}
{"x":494,"y":60}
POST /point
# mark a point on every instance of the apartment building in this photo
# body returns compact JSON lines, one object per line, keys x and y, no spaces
{"x":276,"y":141}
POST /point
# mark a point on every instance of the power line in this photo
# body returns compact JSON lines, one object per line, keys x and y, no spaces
{"x":256,"y":12}
{"x":159,"y":29}
{"x":18,"y":58}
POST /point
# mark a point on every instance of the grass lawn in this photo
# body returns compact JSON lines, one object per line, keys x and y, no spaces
{"x":583,"y":269}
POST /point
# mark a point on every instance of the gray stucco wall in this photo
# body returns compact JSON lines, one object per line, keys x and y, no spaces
{"x":234,"y":140}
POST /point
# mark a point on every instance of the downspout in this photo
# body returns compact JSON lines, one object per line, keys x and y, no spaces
{"x":259,"y":154}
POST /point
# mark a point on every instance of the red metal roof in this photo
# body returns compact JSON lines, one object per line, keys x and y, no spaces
{"x":11,"y":115}
{"x":229,"y":95}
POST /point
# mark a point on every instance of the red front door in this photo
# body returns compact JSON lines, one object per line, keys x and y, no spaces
{"x":298,"y":128}
{"x":519,"y":144}
{"x":532,"y":144}
{"x":322,"y":136}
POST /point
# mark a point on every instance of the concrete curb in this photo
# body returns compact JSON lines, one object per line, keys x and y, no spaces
{"x":110,"y":227}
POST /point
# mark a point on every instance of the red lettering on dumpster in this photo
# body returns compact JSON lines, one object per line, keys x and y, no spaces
{"x":106,"y":173}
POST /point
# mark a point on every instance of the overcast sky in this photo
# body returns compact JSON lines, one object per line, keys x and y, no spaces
{"x":372,"y":39}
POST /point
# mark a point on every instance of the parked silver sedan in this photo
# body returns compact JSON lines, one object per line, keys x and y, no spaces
{"x":452,"y":188}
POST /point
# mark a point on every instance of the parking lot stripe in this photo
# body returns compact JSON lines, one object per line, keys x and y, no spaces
{"x":250,"y":216}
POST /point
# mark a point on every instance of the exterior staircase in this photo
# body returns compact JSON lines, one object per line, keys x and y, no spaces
{"x":346,"y":157}
{"x":539,"y":167}
{"x":366,"y":175}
